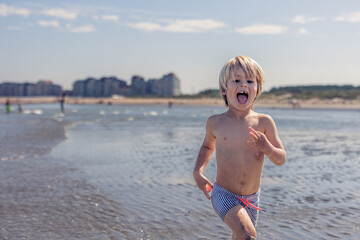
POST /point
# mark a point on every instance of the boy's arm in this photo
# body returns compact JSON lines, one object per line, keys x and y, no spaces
{"x":205,"y":153}
{"x":269,"y":142}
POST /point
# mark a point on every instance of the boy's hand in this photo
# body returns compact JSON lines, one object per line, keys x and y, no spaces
{"x":203,"y":183}
{"x":259,"y":140}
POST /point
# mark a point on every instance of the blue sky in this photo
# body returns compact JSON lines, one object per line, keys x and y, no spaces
{"x":296,"y":42}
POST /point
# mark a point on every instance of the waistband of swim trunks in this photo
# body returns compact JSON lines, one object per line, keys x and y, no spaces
{"x":242,"y":196}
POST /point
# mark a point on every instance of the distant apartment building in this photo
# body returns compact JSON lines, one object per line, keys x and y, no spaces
{"x":138,"y":85}
{"x":42,"y":88}
{"x":104,"y":87}
{"x":10,"y":89}
{"x":29,"y":89}
{"x":47,"y":88}
{"x":168,"y":85}
{"x":153,"y":87}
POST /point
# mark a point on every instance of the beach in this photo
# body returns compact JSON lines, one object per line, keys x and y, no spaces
{"x":124,"y":171}
{"x":272,"y":102}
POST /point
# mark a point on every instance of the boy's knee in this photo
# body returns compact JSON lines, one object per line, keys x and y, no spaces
{"x":240,"y":223}
{"x":246,"y":233}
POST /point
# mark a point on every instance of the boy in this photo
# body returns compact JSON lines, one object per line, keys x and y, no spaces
{"x":241,"y":138}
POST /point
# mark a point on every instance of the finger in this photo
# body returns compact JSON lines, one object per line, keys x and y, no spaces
{"x":207,"y":195}
{"x":254,"y":131}
{"x":208,"y":188}
{"x":254,"y":136}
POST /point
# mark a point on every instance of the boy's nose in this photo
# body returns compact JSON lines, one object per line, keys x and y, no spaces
{"x":243,"y":83}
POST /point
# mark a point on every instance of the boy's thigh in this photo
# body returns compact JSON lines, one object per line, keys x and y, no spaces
{"x":239,"y":221}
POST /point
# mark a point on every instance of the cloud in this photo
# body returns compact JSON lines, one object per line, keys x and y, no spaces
{"x":60,"y":13}
{"x":146,"y":26}
{"x":351,"y":17}
{"x":54,"y":24}
{"x":113,"y":18}
{"x":6,"y":10}
{"x":302,"y":31}
{"x":262,"y":29}
{"x":82,"y":29}
{"x":180,"y":26}
{"x":301,"y":19}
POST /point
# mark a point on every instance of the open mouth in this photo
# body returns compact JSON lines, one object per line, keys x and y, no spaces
{"x":242,"y":97}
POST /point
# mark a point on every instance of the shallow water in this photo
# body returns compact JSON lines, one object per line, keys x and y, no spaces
{"x":125,"y":172}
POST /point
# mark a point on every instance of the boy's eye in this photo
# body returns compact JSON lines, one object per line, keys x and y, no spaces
{"x":237,"y":80}
{"x":250,"y":81}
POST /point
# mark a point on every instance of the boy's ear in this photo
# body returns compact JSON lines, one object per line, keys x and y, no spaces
{"x":223,"y":93}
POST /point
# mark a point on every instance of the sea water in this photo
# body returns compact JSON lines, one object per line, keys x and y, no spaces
{"x":125,"y":172}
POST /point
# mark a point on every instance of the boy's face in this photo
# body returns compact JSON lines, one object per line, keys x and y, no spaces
{"x":241,"y":91}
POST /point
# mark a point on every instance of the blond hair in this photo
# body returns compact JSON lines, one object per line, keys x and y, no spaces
{"x":248,"y":65}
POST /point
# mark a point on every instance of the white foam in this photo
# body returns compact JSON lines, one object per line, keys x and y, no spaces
{"x":37,"y":112}
{"x":26,"y":111}
{"x":153,"y":113}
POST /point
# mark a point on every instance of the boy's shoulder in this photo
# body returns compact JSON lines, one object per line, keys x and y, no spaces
{"x":264,"y":119}
{"x":262,"y":116}
{"x":259,"y":116}
{"x":216,"y":117}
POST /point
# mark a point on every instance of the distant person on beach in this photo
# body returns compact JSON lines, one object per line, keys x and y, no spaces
{"x":62,"y":103}
{"x":19,"y":105}
{"x":170,"y":104}
{"x":8,"y":105}
{"x":242,"y":138}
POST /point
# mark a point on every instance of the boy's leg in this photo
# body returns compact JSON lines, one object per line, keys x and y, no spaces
{"x":240,"y":223}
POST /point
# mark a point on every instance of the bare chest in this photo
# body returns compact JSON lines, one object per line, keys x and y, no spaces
{"x":230,"y":137}
{"x":232,"y":142}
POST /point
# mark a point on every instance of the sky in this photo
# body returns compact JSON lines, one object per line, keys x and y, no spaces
{"x":304,"y":42}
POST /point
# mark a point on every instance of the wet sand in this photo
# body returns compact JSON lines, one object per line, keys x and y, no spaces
{"x":41,"y":199}
{"x":40,"y":196}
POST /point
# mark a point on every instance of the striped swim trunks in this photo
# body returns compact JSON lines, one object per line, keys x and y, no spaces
{"x":223,"y":200}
